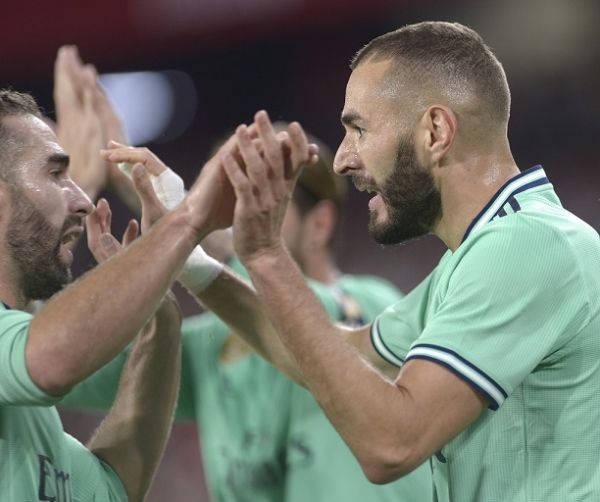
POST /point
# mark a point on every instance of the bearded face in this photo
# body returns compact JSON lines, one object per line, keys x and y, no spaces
{"x":35,"y":248}
{"x":408,"y":196}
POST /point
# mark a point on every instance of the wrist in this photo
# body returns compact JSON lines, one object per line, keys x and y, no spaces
{"x":199,"y":271}
{"x":268,"y":258}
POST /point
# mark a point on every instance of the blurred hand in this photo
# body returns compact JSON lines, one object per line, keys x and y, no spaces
{"x":79,"y":129}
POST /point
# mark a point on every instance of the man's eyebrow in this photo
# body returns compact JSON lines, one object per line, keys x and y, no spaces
{"x":349,"y":118}
{"x":59,"y":158}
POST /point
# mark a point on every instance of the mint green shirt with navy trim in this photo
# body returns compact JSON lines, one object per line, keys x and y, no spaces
{"x":514,"y":312}
{"x":38,"y":460}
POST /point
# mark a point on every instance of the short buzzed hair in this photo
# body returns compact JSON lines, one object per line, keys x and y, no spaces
{"x":450,"y":56}
{"x":12,"y":103}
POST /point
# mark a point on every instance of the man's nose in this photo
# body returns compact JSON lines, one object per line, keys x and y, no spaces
{"x":79,"y":202}
{"x":346,"y":159}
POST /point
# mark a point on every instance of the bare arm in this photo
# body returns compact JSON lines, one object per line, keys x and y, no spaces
{"x":132,"y":437}
{"x":232,"y":298}
{"x":391,"y":426}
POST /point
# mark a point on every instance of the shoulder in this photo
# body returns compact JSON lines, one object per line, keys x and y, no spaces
{"x":13,"y":319}
{"x":539,"y":235}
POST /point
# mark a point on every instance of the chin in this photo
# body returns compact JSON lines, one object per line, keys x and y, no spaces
{"x":389,"y":233}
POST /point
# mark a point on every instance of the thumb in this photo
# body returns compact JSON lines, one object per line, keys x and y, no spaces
{"x":152,"y":207}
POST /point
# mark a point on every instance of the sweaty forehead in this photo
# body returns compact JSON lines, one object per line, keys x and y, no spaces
{"x":30,"y":135}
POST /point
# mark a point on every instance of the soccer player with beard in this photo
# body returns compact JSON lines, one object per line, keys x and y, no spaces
{"x":498,"y":348}
{"x":263,"y":437}
{"x":79,"y":330}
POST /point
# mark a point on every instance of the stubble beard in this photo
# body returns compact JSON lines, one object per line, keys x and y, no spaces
{"x":412,"y":200}
{"x":34,"y":245}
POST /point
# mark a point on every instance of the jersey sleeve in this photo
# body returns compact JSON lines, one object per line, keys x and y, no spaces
{"x":92,"y":478}
{"x":16,"y":386}
{"x":394,"y":331}
{"x":513,"y":299}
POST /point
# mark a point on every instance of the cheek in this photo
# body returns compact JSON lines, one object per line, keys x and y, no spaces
{"x":52,"y":204}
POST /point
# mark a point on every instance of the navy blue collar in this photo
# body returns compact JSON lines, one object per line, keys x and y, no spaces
{"x":531,"y":178}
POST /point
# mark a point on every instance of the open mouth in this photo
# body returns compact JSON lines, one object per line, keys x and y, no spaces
{"x":363,"y":186}
{"x":70,"y":238}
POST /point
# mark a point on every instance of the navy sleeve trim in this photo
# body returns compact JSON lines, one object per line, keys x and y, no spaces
{"x":463,"y":369}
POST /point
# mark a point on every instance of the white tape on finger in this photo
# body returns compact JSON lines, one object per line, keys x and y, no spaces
{"x":200,"y":269}
{"x":168,"y":185}
{"x":169,"y":188}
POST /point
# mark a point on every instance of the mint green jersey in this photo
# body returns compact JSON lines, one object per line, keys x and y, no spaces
{"x":320,"y":465}
{"x":38,"y":460}
{"x":514,"y":312}
{"x":263,"y":438}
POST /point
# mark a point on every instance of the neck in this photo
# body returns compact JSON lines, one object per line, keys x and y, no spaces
{"x":11,"y":294}
{"x":467,"y":188}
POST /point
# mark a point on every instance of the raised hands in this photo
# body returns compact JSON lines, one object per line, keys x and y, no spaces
{"x":263,"y":175}
{"x":247,"y":183}
{"x":86,"y":120}
{"x":77,"y":125}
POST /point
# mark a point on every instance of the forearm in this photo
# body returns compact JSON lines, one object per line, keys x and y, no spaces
{"x":235,"y":301}
{"x":91,"y":321}
{"x":364,"y":406}
{"x":133,"y":435}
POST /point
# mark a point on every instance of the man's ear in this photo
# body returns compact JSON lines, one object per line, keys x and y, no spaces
{"x":435,"y":133}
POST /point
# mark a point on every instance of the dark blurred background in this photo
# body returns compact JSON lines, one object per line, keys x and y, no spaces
{"x":204,"y":66}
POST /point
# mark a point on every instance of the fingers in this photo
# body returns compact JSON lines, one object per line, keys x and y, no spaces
{"x":255,"y":166}
{"x":92,"y":228}
{"x":131,"y":233}
{"x":99,"y":239}
{"x":116,"y":153}
{"x":152,"y":208}
{"x":103,"y":215}
{"x":270,"y":142}
{"x":239,"y":181}
{"x":299,"y":146}
{"x":65,"y":91}
{"x":313,"y":152}
{"x":109,"y":246}
{"x":143,"y":185}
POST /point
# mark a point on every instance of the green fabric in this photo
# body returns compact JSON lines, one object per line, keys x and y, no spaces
{"x":264,"y":438}
{"x":515,"y":312}
{"x":38,"y":461}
